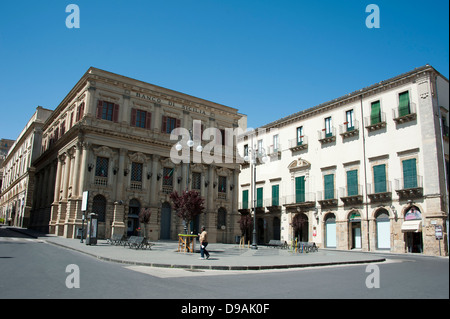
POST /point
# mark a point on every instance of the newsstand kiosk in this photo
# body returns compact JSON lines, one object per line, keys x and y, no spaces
{"x":92,"y":227}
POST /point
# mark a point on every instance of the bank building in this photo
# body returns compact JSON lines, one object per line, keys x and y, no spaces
{"x":110,"y":137}
{"x":366,"y":171}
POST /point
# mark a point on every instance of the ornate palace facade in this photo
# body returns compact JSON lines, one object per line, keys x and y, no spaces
{"x":110,"y":136}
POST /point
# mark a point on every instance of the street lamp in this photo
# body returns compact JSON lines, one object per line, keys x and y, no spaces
{"x":190,"y":143}
{"x":255,"y":155}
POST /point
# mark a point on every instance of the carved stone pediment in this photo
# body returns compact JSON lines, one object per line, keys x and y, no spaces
{"x":104,"y":151}
{"x":299,"y":164}
{"x":138,"y":157}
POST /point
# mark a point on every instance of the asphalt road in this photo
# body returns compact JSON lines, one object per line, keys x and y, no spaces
{"x":31,"y":268}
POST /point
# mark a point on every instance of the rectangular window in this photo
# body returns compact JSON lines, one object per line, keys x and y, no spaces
{"x":140,"y":118}
{"x":260,"y":147}
{"x":169,"y":124}
{"x":80,"y":112}
{"x":168,"y":176}
{"x":136,"y":172}
{"x":245,"y":199}
{"x":352,"y":183}
{"x":63,"y":128}
{"x":375,"y":113}
{"x":196,"y":181}
{"x":259,"y":197}
{"x":275,"y":143}
{"x":409,"y":173}
{"x":108,"y":111}
{"x":300,"y":135}
{"x":350,"y":120}
{"x":328,"y":132}
{"x":101,"y":167}
{"x":246,"y":150}
{"x":403,"y":104}
{"x":275,"y":195}
{"x":300,"y":189}
{"x":222,"y":184}
{"x":328,"y":181}
{"x":379,"y":178}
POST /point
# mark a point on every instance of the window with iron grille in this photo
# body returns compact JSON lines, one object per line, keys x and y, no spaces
{"x":101,"y":168}
{"x":196,"y":181}
{"x":136,"y":172}
{"x":222,"y":184}
{"x":168,"y":176}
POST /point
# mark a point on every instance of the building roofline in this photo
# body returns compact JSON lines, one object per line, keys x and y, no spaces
{"x":352,"y":95}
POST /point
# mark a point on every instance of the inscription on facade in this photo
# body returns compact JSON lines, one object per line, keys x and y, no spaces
{"x":170,"y":103}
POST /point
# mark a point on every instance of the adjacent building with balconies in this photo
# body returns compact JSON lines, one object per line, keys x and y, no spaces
{"x":364,"y":171}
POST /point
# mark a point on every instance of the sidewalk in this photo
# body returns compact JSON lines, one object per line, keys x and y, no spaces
{"x":223,"y":256}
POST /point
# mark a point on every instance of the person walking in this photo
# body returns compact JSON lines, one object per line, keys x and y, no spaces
{"x":204,"y":243}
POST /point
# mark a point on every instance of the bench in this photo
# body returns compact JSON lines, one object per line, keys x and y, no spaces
{"x":138,"y":242}
{"x":277,"y":244}
{"x":307,"y":247}
{"x":115,"y":239}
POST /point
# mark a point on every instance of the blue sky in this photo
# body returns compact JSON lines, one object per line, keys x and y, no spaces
{"x":267,"y":58}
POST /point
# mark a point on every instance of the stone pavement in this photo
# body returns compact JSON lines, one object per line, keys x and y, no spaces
{"x":223,"y":256}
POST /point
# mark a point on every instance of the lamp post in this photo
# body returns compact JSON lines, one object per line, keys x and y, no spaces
{"x":190,"y":143}
{"x":253,"y":155}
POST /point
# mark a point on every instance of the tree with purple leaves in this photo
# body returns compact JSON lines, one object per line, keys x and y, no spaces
{"x":188,"y":205}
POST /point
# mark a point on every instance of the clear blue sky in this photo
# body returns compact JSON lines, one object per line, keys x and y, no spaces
{"x":267,"y":58}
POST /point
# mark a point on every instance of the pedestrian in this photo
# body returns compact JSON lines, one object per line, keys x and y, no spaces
{"x":204,"y":243}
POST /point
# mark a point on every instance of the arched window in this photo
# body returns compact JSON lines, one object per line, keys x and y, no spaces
{"x":99,"y":207}
{"x":330,"y":231}
{"x":383,"y":229}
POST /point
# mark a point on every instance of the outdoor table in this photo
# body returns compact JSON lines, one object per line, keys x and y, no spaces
{"x":186,"y":243}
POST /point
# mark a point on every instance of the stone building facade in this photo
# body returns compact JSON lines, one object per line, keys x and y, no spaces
{"x":16,"y":191}
{"x":110,"y":136}
{"x":367,"y":171}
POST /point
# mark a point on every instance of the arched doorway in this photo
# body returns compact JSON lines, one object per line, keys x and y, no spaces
{"x":330,"y":230}
{"x":133,"y":217}
{"x":99,"y":208}
{"x":260,"y":230}
{"x":166,"y":214}
{"x":412,"y":227}
{"x":354,"y":219}
{"x":300,"y":225}
{"x":276,"y":228}
{"x":383,"y":224}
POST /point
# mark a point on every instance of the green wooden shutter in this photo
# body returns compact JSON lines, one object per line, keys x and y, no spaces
{"x":409,"y":173}
{"x":352,"y":183}
{"x":329,"y":186}
{"x":275,"y":195}
{"x":403,"y":106}
{"x":245,"y":199}
{"x":259,"y":197}
{"x":300,"y":189}
{"x":375,"y":114}
{"x":379,"y":177}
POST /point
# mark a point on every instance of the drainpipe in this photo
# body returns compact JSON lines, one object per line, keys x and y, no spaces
{"x":365,"y":172}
